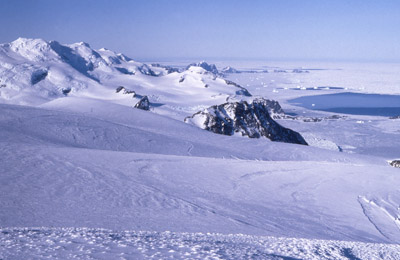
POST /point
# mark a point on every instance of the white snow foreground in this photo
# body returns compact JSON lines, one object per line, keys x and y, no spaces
{"x":92,"y":169}
{"x":84,"y":243}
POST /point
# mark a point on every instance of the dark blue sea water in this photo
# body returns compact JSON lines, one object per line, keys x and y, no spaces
{"x":352,"y":103}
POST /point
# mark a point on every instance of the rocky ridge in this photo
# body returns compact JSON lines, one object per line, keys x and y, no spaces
{"x":252,"y":120}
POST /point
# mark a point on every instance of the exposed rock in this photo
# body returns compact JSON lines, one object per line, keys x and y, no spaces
{"x":143,"y":103}
{"x":230,"y":70}
{"x":119,"y":89}
{"x":252,"y":120}
{"x":66,"y":91}
{"x":124,"y":71}
{"x":274,"y":109}
{"x":169,"y":69}
{"x":38,"y":76}
{"x":125,"y":91}
{"x":300,"y":71}
{"x":395,"y":163}
{"x":308,"y":119}
{"x":208,"y":67}
{"x":394,"y":117}
{"x":144,"y":69}
{"x":241,"y":91}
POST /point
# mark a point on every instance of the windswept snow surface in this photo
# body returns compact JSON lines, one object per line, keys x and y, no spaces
{"x":80,"y":162}
{"x":65,"y":169}
{"x":83,"y":243}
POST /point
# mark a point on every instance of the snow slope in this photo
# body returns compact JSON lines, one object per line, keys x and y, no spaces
{"x":148,"y":176}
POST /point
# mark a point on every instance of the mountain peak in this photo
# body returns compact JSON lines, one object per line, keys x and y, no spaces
{"x":84,"y":44}
{"x":31,"y":49}
{"x":208,"y":67}
{"x":29,"y":43}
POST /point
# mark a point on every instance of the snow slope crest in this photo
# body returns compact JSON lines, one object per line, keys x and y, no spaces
{"x":30,"y":49}
{"x":34,"y":71}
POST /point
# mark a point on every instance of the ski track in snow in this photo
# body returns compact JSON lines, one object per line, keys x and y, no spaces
{"x":89,"y":243}
{"x":378,"y":215}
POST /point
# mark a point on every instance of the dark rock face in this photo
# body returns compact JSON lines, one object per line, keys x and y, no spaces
{"x":38,"y":76}
{"x":208,"y":67}
{"x":66,"y":91}
{"x":119,"y":89}
{"x":395,"y":163}
{"x":125,"y":91}
{"x":143,"y":103}
{"x":146,"y":70}
{"x":274,"y":108}
{"x":241,"y":91}
{"x":252,"y":120}
{"x":124,"y":71}
{"x":169,"y":69}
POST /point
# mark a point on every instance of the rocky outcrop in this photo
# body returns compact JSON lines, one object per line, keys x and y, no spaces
{"x":38,"y":76}
{"x":66,"y":91}
{"x":169,"y":69}
{"x":125,"y":71}
{"x":274,"y":108}
{"x":143,"y":103}
{"x":252,"y":120}
{"x":230,"y":70}
{"x":125,"y":91}
{"x":242,"y":91}
{"x":146,"y":70}
{"x":395,"y":163}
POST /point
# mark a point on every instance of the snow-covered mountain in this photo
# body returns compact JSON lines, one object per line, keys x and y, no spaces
{"x":48,"y":70}
{"x":34,"y":72}
{"x":207,"y":67}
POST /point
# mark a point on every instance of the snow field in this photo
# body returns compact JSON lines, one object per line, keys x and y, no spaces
{"x":84,"y":243}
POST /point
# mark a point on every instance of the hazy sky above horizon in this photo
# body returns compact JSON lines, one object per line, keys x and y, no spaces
{"x":363,"y":30}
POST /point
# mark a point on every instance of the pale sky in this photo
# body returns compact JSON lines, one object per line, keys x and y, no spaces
{"x":362,"y":30}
